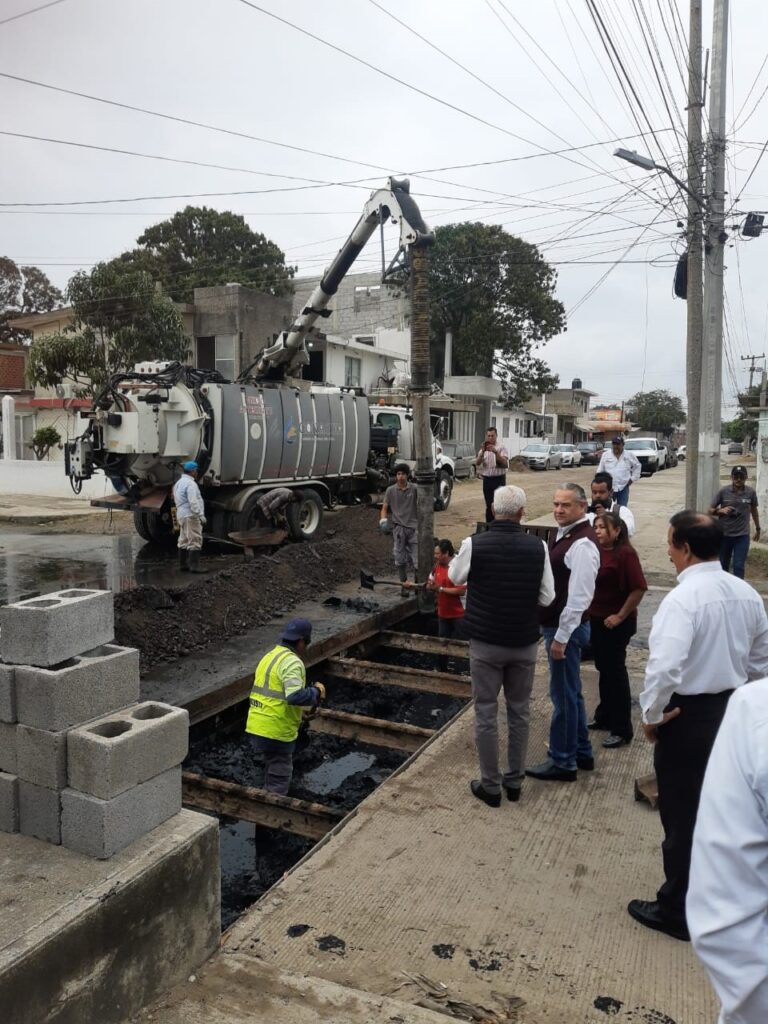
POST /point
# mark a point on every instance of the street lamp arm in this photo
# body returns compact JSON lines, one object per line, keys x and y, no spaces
{"x":680,"y":184}
{"x":648,"y":164}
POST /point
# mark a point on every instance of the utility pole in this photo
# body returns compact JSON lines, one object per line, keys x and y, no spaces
{"x":420,"y":390}
{"x":714,"y":249}
{"x":752,"y":368}
{"x":695,"y":300}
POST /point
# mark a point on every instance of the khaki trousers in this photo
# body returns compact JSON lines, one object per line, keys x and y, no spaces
{"x":190,"y":533}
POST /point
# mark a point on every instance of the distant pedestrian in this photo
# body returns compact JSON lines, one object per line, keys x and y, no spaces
{"x":190,"y":514}
{"x":619,"y":589}
{"x":492,"y":462}
{"x":727,"y":905}
{"x":709,"y":637}
{"x":450,"y":610}
{"x":623,"y":467}
{"x":509,"y":577}
{"x":733,"y":506}
{"x":604,"y":501}
{"x":400,"y":506}
{"x":575,"y":559}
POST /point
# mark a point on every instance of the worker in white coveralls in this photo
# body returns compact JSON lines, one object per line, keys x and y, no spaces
{"x":190,"y":512}
{"x":279,"y":698}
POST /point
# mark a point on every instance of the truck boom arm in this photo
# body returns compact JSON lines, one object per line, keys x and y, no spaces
{"x":289,"y":352}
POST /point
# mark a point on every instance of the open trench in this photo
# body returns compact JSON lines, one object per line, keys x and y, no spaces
{"x":332,"y":773}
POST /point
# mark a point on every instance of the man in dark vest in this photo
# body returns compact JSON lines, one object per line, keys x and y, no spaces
{"x":575,"y":559}
{"x":509,"y":577}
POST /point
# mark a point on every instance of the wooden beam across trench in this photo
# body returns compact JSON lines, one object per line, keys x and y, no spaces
{"x":378,"y":732}
{"x":423,"y":681}
{"x":286,"y":813}
{"x":424,"y":644}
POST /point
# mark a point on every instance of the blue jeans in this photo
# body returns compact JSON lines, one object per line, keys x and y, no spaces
{"x":622,"y":496}
{"x":568,"y":733}
{"x":739,"y":548}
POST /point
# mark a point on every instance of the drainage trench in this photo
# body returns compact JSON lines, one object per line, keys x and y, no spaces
{"x":386,"y":697}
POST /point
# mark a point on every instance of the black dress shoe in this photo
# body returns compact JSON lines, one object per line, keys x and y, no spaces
{"x":492,"y":799}
{"x":585,"y":764}
{"x":648,"y":913}
{"x":594,"y":724}
{"x":614,"y":741}
{"x":513,"y":793}
{"x":547,"y":771}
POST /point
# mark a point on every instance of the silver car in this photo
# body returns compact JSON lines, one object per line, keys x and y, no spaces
{"x":540,"y":455}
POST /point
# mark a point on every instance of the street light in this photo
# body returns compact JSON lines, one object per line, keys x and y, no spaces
{"x":648,"y":164}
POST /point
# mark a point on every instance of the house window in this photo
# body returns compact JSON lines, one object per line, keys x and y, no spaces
{"x":225,"y":355}
{"x":365,"y":339}
{"x":493,"y":422}
{"x":505,"y":426}
{"x":517,"y":426}
{"x":25,"y":428}
{"x":352,"y":371}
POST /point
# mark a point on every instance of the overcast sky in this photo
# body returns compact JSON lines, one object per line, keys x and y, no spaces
{"x":528,"y":86}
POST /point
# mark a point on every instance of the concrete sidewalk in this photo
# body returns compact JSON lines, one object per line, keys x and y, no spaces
{"x":33,"y":508}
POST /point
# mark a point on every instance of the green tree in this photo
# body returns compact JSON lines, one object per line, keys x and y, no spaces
{"x":43,"y":439}
{"x":23,"y":290}
{"x":659,"y":411}
{"x":119,"y":318}
{"x":199,"y":247}
{"x":496,"y":294}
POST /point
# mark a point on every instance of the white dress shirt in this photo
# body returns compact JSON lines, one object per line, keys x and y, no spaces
{"x":727,"y":907}
{"x":622,"y":470}
{"x":583,"y":560}
{"x":710,"y":634}
{"x":458,"y":572}
{"x":625,"y":513}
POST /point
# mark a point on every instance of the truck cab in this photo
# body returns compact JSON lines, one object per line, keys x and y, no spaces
{"x":400,"y":418}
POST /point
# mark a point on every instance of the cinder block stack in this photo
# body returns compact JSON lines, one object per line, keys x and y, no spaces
{"x":82,"y":762}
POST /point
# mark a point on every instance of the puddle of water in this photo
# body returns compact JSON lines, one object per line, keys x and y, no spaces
{"x":331,"y":774}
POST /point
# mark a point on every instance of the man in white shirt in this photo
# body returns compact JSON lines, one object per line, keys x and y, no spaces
{"x":509,"y":577}
{"x":492,"y":461}
{"x":709,"y":637}
{"x":623,"y":467}
{"x":190,"y":513}
{"x":727,"y":906}
{"x":575,"y":560}
{"x":604,"y":501}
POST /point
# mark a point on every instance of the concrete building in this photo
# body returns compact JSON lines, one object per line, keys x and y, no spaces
{"x":13,"y":385}
{"x":568,"y":411}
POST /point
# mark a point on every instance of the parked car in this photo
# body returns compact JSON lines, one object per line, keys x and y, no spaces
{"x":735,"y":448}
{"x":591,"y":452}
{"x":570,"y":453}
{"x":540,"y":455}
{"x":463,"y":455}
{"x":670,"y":456}
{"x":681,"y":452}
{"x":648,"y":451}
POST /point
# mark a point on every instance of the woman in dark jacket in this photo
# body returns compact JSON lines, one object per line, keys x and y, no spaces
{"x":619,"y":589}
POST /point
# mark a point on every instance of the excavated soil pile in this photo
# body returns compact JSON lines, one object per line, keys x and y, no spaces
{"x":165,"y":623}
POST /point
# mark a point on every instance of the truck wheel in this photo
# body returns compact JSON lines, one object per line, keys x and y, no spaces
{"x":445,"y":489}
{"x":305,"y":517}
{"x":140,"y":524}
{"x":160,"y":529}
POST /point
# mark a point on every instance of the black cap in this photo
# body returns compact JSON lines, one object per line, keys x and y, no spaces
{"x":739,"y":471}
{"x":618,"y":440}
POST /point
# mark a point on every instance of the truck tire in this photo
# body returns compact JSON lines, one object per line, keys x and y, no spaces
{"x":160,"y":529}
{"x":444,"y":489}
{"x":140,"y":524}
{"x":305,"y":517}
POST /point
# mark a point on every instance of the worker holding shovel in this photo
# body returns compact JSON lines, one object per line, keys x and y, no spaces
{"x":400,"y":506}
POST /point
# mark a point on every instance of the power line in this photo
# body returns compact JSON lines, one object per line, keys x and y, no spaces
{"x":33,"y":10}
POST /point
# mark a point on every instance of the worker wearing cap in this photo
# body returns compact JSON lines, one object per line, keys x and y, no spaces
{"x":733,"y":505}
{"x":278,"y":698}
{"x":624,"y":468}
{"x":190,"y":512}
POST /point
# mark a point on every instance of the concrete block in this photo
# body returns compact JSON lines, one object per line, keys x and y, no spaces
{"x":41,"y":757}
{"x":49,"y":629}
{"x":7,"y":694}
{"x":39,"y":812}
{"x":99,"y":828}
{"x":84,"y":687}
{"x":110,"y":755}
{"x":9,"y":803}
{"x":8,"y":748}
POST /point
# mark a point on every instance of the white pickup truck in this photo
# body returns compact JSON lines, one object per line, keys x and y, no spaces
{"x":649,"y":453}
{"x":400,"y":418}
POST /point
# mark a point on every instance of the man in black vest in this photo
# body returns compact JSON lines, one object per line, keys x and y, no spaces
{"x":575,"y":559}
{"x":509,"y":577}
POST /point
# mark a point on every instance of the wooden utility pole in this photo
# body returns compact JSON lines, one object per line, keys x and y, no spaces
{"x":712,"y":348}
{"x":695,"y":287}
{"x":752,"y":368}
{"x":420,"y":391}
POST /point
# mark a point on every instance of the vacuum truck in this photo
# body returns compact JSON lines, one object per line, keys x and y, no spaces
{"x":268,"y":428}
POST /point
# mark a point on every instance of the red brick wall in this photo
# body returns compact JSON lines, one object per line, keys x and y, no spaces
{"x":12,"y":362}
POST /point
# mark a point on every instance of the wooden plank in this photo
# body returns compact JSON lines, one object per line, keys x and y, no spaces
{"x":376,"y":731}
{"x":257,"y":805}
{"x":358,"y":671}
{"x":425,"y":644}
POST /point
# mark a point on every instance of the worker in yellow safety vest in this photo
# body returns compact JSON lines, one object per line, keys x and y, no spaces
{"x":278,"y":699}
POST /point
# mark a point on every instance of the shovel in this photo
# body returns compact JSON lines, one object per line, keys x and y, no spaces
{"x":367,"y":582}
